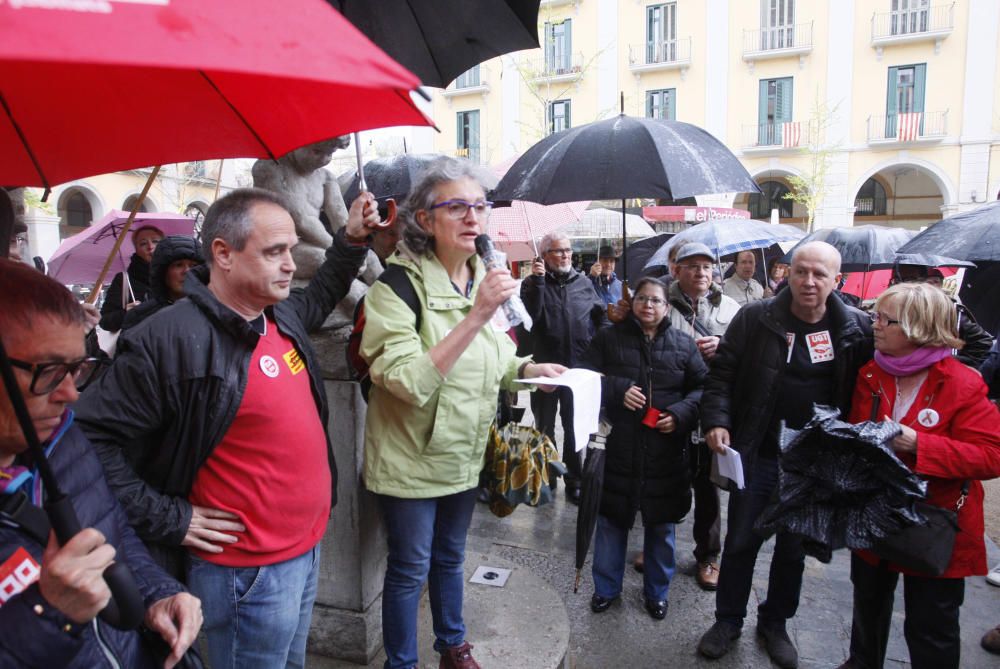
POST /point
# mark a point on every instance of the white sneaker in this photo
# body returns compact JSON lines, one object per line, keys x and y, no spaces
{"x":993,"y":578}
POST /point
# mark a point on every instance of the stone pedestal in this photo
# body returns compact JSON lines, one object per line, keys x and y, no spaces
{"x":43,"y":234}
{"x":347,"y":617}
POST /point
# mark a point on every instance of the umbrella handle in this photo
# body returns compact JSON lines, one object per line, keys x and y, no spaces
{"x":362,"y":185}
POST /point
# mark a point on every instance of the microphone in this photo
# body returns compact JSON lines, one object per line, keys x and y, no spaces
{"x":513,"y":308}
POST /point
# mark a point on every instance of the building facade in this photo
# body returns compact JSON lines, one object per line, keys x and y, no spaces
{"x":894,"y":102}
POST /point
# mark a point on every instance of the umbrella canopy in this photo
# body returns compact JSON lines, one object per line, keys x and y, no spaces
{"x":528,"y":222}
{"x":639,"y":252}
{"x":625,"y":157}
{"x":606,"y":223}
{"x":79,"y":258}
{"x":725,"y":236}
{"x":390,"y":177}
{"x":862,"y":248}
{"x":158,"y":82}
{"x":972,"y":235}
{"x":439,"y":40}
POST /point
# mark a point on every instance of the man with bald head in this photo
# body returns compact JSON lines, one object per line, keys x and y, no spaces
{"x":778,"y":357}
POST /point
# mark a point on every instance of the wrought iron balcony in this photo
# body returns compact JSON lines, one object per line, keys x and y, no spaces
{"x":778,"y":42}
{"x":907,"y":127}
{"x":666,"y":55}
{"x":925,"y":24}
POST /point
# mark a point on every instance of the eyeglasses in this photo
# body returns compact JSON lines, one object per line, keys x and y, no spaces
{"x":706,"y":268}
{"x":459,"y":209}
{"x":560,"y":252}
{"x":879,"y":317}
{"x":650,"y":299}
{"x":46,"y":376}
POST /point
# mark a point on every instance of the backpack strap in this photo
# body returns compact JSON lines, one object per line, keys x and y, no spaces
{"x":17,"y":509}
{"x":399,"y":280}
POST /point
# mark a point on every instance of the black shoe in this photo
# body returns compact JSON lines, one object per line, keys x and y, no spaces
{"x":719,"y":638}
{"x":600,"y":604}
{"x":656,"y":609}
{"x":573,"y":495}
{"x":779,"y":646}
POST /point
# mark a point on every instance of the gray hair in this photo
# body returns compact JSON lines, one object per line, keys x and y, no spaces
{"x":549,"y":240}
{"x":228,"y":218}
{"x":423,"y":194}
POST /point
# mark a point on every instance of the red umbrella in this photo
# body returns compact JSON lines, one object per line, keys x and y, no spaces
{"x":110,"y":85}
{"x":516,"y":229}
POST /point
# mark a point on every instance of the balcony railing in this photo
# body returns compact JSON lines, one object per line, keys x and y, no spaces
{"x":908,"y":127}
{"x":906,"y":25}
{"x":565,"y":68}
{"x":470,"y":81}
{"x":789,"y":40}
{"x":776,"y":136}
{"x":669,"y":54}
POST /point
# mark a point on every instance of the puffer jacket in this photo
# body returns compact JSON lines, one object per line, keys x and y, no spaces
{"x":749,"y":364}
{"x":168,"y":251}
{"x":174,"y":389}
{"x":39,"y":641}
{"x":646,"y":470}
{"x":112,"y":312}
{"x":425,"y":434}
{"x":959,"y":442}
{"x":566,"y":311}
{"x":715,"y":311}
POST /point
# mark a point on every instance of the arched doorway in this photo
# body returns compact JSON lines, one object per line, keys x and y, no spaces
{"x":901,"y":195}
{"x":77,"y":210}
{"x":129,"y":203}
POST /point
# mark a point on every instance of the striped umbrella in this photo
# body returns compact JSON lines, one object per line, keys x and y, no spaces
{"x":726,"y":236}
{"x":516,"y":229}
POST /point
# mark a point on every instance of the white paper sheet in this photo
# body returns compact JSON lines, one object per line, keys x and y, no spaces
{"x":729,"y":466}
{"x":586,"y":388}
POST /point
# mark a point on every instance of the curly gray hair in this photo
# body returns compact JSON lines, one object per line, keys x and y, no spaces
{"x":423,"y":194}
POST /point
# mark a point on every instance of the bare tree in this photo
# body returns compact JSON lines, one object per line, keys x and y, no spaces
{"x":811,"y":188}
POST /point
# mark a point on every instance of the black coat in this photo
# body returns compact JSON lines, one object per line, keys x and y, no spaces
{"x":175,"y":387}
{"x":566,"y":311}
{"x":112,"y":313}
{"x":169,"y":250}
{"x":646,"y":470}
{"x":748,"y":366}
{"x":977,"y":340}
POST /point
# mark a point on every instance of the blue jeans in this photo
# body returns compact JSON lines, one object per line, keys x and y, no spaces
{"x":739,"y":555}
{"x":426,"y":538}
{"x":610,"y":544}
{"x":257,"y":616}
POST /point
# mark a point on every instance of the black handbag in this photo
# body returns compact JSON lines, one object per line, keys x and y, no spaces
{"x":925,"y":548}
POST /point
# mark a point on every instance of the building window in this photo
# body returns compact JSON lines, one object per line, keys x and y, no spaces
{"x":195,"y":169}
{"x":661,"y":33}
{"x":559,"y":116}
{"x":777,"y":24}
{"x":130,"y":203}
{"x":772,"y":196}
{"x":905,"y":95}
{"x":909,"y":16}
{"x":468,"y":79}
{"x":662,"y":104}
{"x":558,"y":47}
{"x":78,"y":212}
{"x":774,"y":110}
{"x":467,"y":141}
{"x":870,"y":200}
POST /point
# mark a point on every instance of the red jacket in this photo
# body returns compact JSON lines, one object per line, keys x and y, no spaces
{"x":961,"y":442}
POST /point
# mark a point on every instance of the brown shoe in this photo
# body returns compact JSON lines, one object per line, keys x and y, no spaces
{"x":459,"y":657}
{"x":640,"y":562}
{"x":991,"y":640}
{"x":707,"y":575}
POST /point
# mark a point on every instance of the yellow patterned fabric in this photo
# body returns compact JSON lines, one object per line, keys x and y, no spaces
{"x":520,"y":462}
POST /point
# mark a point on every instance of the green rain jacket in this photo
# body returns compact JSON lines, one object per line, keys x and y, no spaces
{"x":425,"y":434}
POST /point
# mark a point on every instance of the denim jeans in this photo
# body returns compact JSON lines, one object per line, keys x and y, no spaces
{"x":257,"y":616}
{"x":426,"y":540}
{"x":610,"y":544}
{"x":739,"y":555}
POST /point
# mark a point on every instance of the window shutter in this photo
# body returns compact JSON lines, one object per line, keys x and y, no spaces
{"x":568,"y":44}
{"x":474,"y":136}
{"x":919,"y":86}
{"x":892,"y":95}
{"x":762,"y":113}
{"x":550,"y":46}
{"x":671,"y":96}
{"x":783,"y":107}
{"x":459,"y":135}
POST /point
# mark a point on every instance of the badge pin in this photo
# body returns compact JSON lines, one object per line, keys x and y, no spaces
{"x":928,"y":418}
{"x":269,"y":366}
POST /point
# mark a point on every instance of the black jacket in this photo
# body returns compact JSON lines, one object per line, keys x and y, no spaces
{"x":741,"y":388}
{"x":175,"y":387}
{"x":30,"y":640}
{"x":169,"y":250}
{"x":112,"y":313}
{"x":566,"y":311}
{"x":646,"y":470}
{"x":977,"y":340}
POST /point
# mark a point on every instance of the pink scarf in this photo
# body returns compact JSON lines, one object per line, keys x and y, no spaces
{"x":911,"y":363}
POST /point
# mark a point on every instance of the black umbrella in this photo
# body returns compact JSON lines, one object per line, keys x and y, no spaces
{"x":972,"y":235}
{"x":391,"y":177}
{"x":980,"y":292}
{"x":862,"y":248}
{"x":638,"y":254}
{"x":440,"y":39}
{"x":590,"y":503}
{"x":625,"y":157}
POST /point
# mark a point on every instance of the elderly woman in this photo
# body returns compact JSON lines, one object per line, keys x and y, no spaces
{"x":432,"y":401}
{"x":653,"y":374}
{"x":117,"y":301}
{"x":950,"y":437}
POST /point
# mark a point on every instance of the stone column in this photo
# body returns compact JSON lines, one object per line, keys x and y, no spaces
{"x":43,"y":234}
{"x":347,"y":617}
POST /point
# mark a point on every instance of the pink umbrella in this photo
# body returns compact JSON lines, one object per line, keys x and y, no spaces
{"x":79,"y":258}
{"x":516,"y":229}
